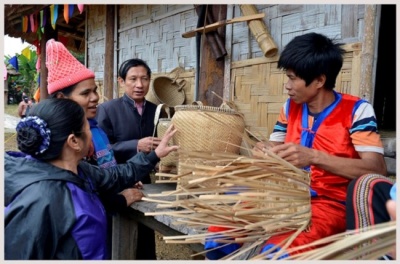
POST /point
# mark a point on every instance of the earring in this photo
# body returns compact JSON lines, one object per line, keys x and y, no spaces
{"x":78,"y":150}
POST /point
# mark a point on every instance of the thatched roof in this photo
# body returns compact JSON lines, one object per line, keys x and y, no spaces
{"x":74,"y":30}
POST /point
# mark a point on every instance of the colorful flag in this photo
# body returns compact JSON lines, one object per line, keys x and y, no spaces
{"x":66,"y":13}
{"x":24,"y":24}
{"x":32,"y":22}
{"x":80,"y":7}
{"x":38,"y":64}
{"x":27,"y":53}
{"x":71,"y":10}
{"x":53,"y":15}
{"x":37,"y":94}
{"x":14,"y":62}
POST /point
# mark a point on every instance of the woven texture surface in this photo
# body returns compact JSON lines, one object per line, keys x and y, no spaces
{"x":171,"y":158}
{"x":206,"y":128}
{"x":167,"y":91}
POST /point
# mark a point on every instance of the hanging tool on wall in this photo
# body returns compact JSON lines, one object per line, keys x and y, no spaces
{"x":260,"y":31}
{"x":214,"y":26}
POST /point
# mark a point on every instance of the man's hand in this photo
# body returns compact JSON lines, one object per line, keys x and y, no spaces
{"x":296,"y":154}
{"x":163,"y":149}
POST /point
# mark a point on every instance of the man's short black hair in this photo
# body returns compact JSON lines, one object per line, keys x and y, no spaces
{"x":312,"y":55}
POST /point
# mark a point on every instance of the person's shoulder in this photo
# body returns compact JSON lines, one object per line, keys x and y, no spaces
{"x":151,"y":104}
{"x":111,"y":103}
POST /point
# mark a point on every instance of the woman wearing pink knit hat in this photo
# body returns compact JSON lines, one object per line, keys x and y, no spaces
{"x":51,"y":196}
{"x":68,"y":78}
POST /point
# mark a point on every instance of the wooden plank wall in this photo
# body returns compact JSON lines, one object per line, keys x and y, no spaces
{"x":344,"y":23}
{"x":154,"y":33}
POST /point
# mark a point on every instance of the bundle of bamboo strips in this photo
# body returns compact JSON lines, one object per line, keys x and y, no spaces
{"x":361,"y":244}
{"x":254,"y":197}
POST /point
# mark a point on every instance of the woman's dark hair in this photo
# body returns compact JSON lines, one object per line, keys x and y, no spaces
{"x":126,"y":65}
{"x":63,"y":117}
{"x":312,"y":55}
{"x":66,"y":91}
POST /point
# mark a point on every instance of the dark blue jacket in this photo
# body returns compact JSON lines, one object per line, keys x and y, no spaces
{"x":52,"y":213}
{"x":124,"y":126}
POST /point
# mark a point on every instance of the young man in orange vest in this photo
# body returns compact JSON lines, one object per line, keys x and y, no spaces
{"x":332,"y":135}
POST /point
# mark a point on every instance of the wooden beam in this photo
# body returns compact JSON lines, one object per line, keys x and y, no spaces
{"x":109,"y":53}
{"x":368,"y":53}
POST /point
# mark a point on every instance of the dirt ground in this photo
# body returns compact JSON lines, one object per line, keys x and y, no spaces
{"x":171,"y":251}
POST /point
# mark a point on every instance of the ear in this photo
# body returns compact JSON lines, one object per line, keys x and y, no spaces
{"x":60,"y":95}
{"x":121,"y":81}
{"x":320,"y":81}
{"x":73,"y":143}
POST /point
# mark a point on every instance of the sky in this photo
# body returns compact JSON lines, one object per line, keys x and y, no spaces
{"x":13,"y":45}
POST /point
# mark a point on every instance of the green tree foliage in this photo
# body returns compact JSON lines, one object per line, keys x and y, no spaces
{"x":26,"y":81}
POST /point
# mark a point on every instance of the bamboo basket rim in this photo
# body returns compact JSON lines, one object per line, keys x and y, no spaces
{"x":205,"y":108}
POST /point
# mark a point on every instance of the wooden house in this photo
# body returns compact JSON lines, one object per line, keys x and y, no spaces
{"x":238,"y":70}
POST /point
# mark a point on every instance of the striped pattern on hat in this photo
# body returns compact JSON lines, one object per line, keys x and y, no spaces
{"x":64,"y":69}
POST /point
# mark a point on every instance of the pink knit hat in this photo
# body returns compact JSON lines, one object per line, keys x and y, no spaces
{"x":63,"y":69}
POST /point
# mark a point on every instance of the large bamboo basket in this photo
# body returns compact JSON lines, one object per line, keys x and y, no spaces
{"x":206,"y":128}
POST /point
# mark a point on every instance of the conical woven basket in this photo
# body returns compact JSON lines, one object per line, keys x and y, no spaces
{"x":167,"y":91}
{"x":206,"y":128}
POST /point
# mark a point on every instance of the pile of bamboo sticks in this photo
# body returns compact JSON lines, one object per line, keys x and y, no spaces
{"x":369,"y":243}
{"x":252,"y":197}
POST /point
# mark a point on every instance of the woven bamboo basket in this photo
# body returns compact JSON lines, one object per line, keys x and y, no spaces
{"x":172,"y":158}
{"x":165,"y":90}
{"x":206,"y":128}
{"x":161,"y":125}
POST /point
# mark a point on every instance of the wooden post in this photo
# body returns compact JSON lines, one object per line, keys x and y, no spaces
{"x":109,"y":53}
{"x":211,"y":70}
{"x":49,"y":33}
{"x":367,"y":55}
{"x":124,"y":237}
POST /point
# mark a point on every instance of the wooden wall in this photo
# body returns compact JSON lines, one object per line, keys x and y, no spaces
{"x":257,"y":87}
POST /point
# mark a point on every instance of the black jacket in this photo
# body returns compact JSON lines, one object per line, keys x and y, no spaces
{"x":124,"y":126}
{"x":52,"y":213}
